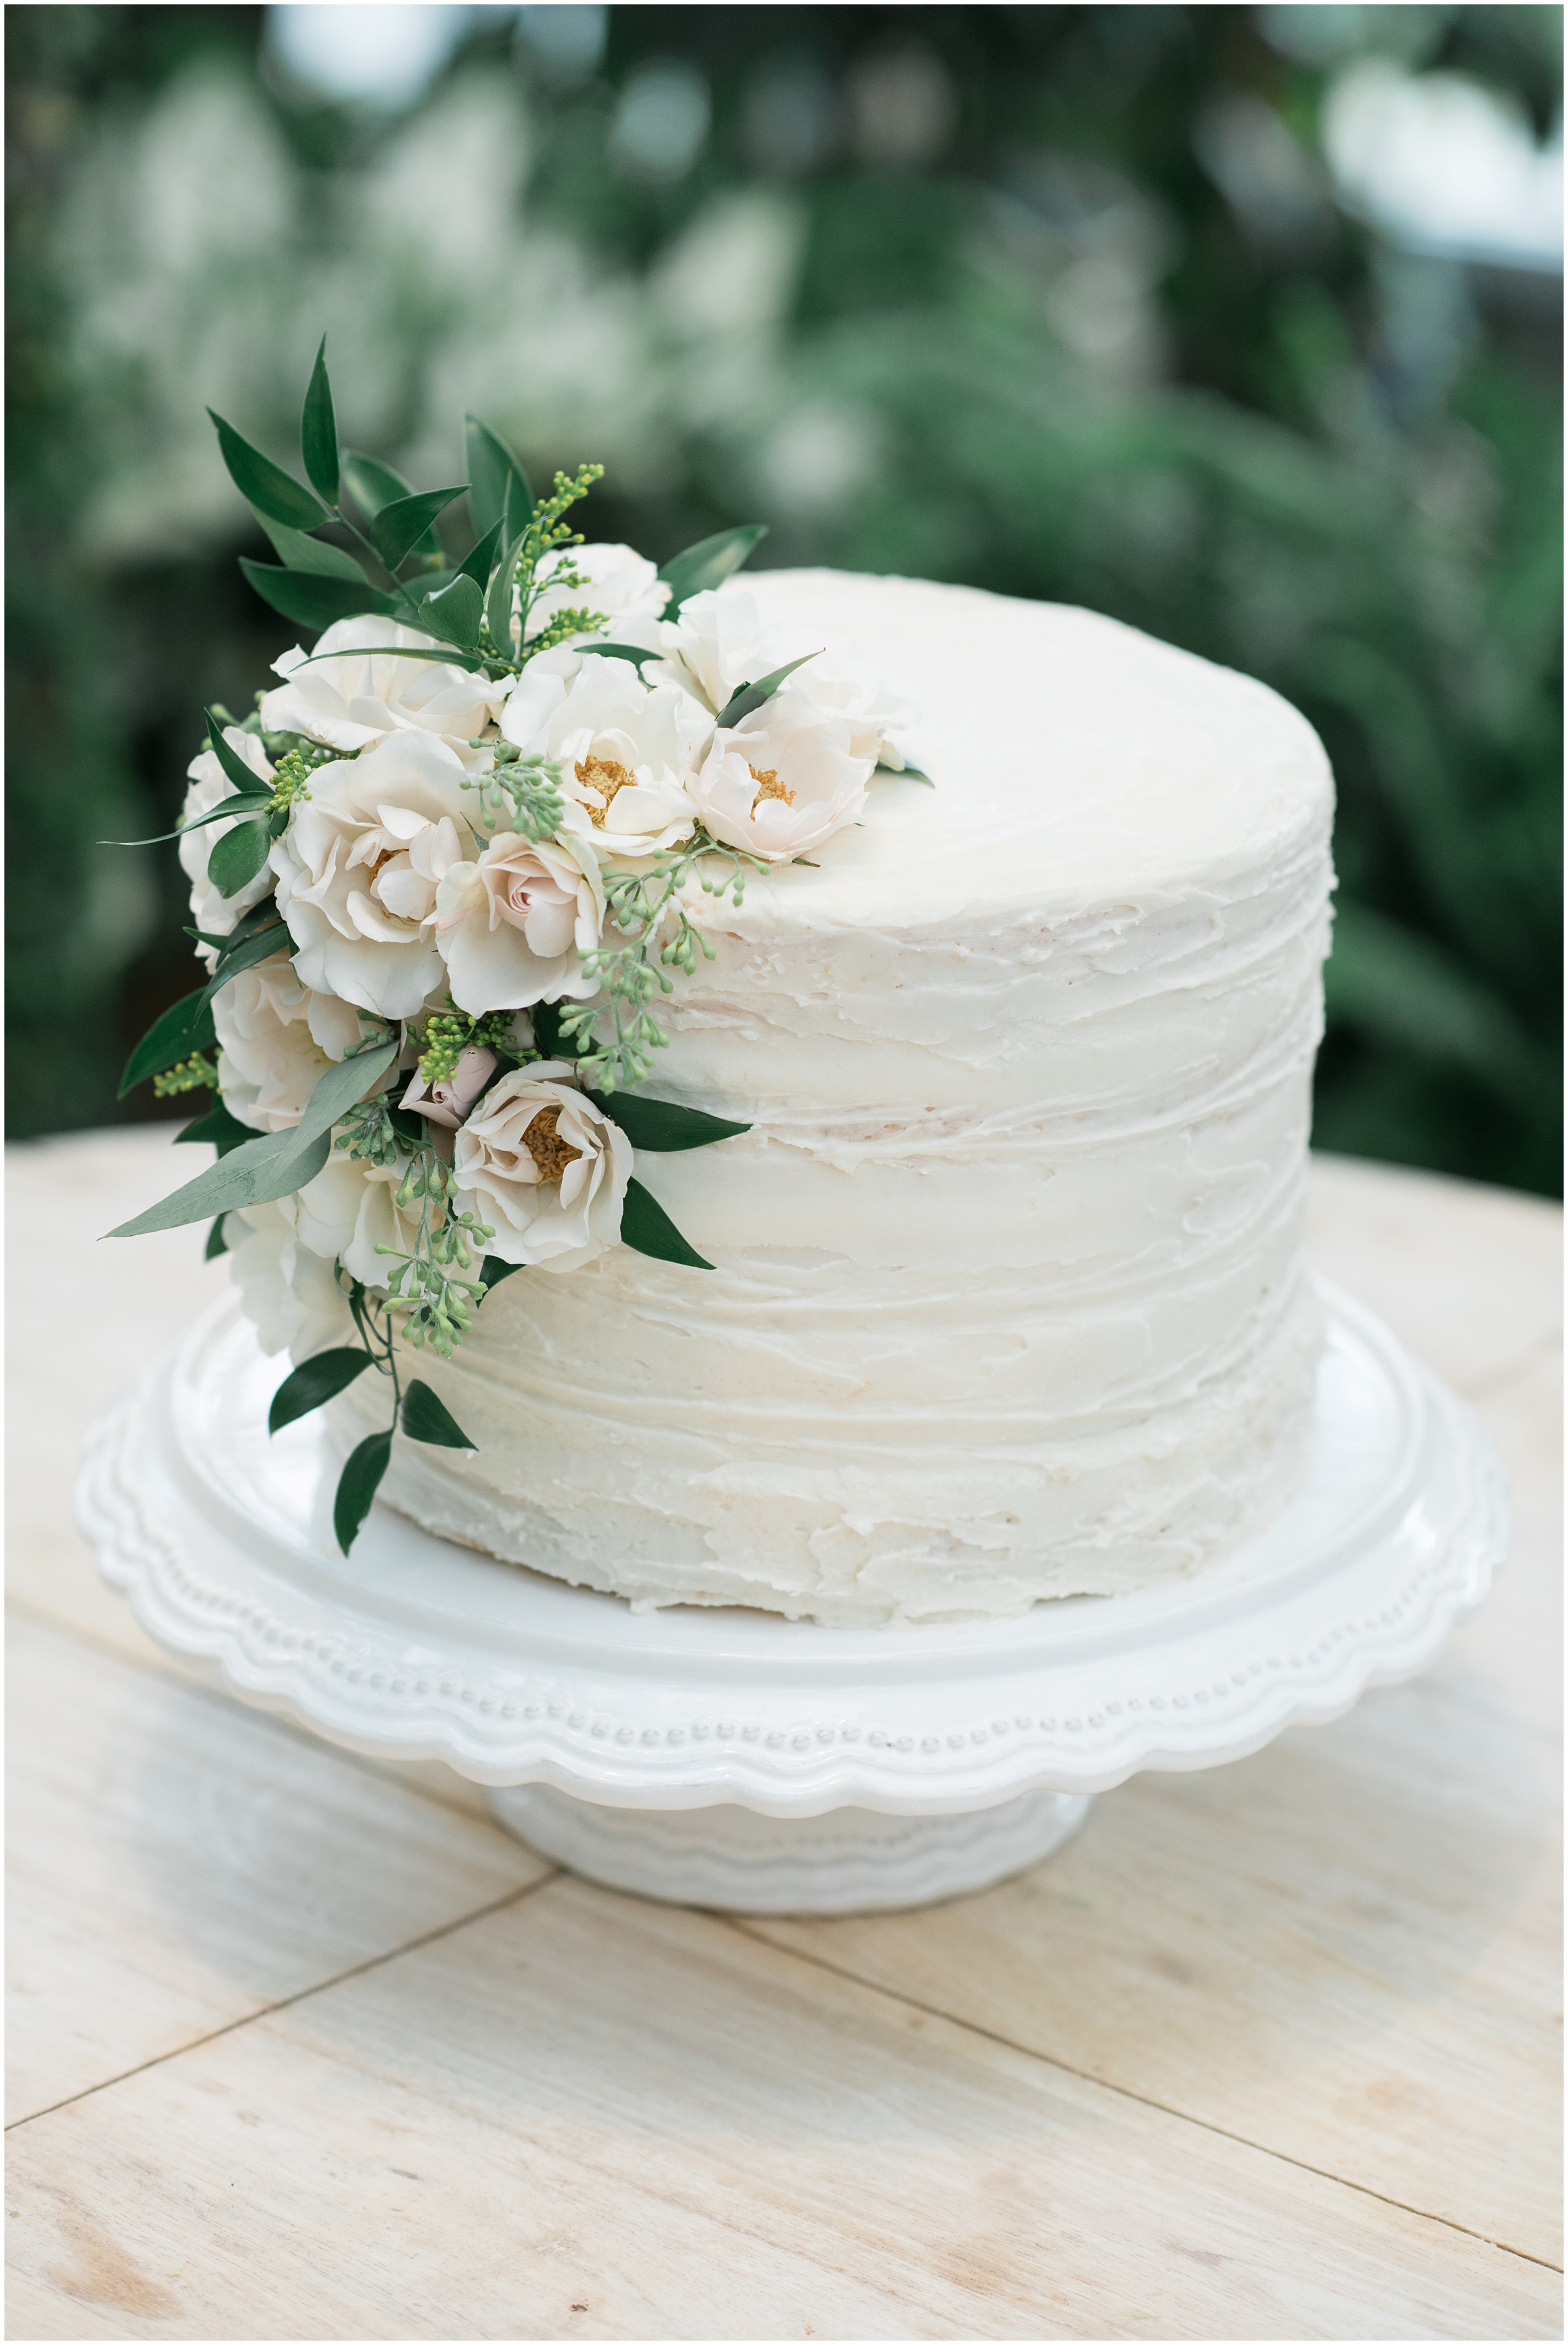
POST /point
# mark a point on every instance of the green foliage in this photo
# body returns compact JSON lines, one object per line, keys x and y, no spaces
{"x":184,"y":1027}
{"x":647,"y":1228}
{"x":707,"y":564}
{"x":318,"y":433}
{"x":357,"y":1485}
{"x":424,"y":1416}
{"x":317,"y":1381}
{"x":660,"y":1125}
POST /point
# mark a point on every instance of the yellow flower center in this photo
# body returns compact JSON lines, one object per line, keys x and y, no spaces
{"x":551,"y":1153}
{"x":768,"y":787}
{"x":605,"y":774}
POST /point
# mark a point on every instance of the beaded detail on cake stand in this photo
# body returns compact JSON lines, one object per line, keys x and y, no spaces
{"x":734,"y":1760}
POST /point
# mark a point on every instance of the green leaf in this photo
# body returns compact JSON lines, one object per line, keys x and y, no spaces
{"x":186,"y":1026}
{"x":216,"y":1243}
{"x":357,"y":1485}
{"x":252,"y":949}
{"x":318,"y":433}
{"x":906,"y":773}
{"x":752,"y":697}
{"x":547,"y":1034}
{"x":312,"y":601}
{"x":253,"y":801}
{"x":238,"y":856}
{"x":499,"y":488}
{"x":221,"y":1129}
{"x":497,"y":604}
{"x":265,"y":484}
{"x":275,"y":1162}
{"x":427,"y":1418}
{"x":233,"y":764}
{"x":456,"y":611}
{"x":632,"y":651}
{"x":453,"y":657}
{"x":661,"y":1125}
{"x":492,"y":1269}
{"x":478,"y":564}
{"x":312,"y":554}
{"x":318,"y":1379}
{"x":647,"y":1228}
{"x":372,"y":484}
{"x":396,"y":528}
{"x":709,"y":562}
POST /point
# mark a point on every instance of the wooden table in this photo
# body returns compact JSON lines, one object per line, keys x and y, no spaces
{"x":303,"y":2047}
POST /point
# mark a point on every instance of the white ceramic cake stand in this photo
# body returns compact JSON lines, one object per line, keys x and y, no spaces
{"x":730,"y":1759}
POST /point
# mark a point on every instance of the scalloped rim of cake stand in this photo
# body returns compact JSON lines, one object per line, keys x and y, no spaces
{"x":416,"y":1648}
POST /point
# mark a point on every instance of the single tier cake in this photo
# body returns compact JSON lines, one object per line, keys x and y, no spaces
{"x":1008,"y":1300}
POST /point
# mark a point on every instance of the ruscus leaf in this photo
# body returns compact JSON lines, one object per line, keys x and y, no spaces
{"x":426,"y":1417}
{"x":233,"y":764}
{"x":660,"y":1125}
{"x":185,"y":1027}
{"x":752,"y":697}
{"x":478,"y":564}
{"x":372,"y":484}
{"x":310,"y":554}
{"x":498,"y":486}
{"x":317,"y":1380}
{"x":647,"y":1228}
{"x":357,"y":1485}
{"x":265,"y":484}
{"x":709,"y":562}
{"x":257,"y":946}
{"x":498,"y":602}
{"x":632,"y":651}
{"x":396,"y":528}
{"x":318,"y":433}
{"x":456,"y":611}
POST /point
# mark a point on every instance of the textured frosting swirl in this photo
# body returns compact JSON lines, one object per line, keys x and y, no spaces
{"x":1008,"y":1300}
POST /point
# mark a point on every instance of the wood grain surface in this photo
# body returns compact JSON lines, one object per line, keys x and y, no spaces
{"x":302,"y":2046}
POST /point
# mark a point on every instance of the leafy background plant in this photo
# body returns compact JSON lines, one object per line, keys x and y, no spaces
{"x":984,"y":294}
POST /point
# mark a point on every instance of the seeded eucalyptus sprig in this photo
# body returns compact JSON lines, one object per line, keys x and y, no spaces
{"x":640,"y":904}
{"x":522,"y":792}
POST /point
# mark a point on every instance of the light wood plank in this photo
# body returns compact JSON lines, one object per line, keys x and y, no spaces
{"x":586,"y":2117}
{"x":1470,"y":1277}
{"x":176,"y":1861}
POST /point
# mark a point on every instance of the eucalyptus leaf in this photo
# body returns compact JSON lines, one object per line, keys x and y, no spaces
{"x":238,"y":855}
{"x":752,"y":697}
{"x":265,"y":484}
{"x":275,"y":1162}
{"x":426,"y":1417}
{"x":216,"y":1243}
{"x":318,"y":1379}
{"x":499,"y":488}
{"x":318,"y":433}
{"x":647,"y":1228}
{"x":357,"y":1485}
{"x":312,"y":601}
{"x":709,"y":562}
{"x":218,"y":1128}
{"x":185,"y":1027}
{"x":398,"y":528}
{"x":310,"y":554}
{"x":659,"y":1125}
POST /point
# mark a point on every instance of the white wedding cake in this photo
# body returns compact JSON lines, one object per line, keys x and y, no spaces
{"x":1007,"y":1299}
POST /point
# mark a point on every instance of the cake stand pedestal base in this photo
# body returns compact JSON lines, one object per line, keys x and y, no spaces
{"x":737,"y":1759}
{"x":849,"y":1861}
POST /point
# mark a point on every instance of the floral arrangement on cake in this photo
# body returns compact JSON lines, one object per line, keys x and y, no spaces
{"x":440,"y":876}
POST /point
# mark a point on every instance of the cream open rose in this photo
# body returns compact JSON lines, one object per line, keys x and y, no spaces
{"x":209,"y":785}
{"x":287,"y":1293}
{"x":359,"y":867}
{"x":621,"y":583}
{"x":545,"y":1168}
{"x":276,"y":1041}
{"x":717,"y":645}
{"x":625,"y":751}
{"x":348,"y":1210}
{"x":783,"y":780}
{"x":351,"y":700}
{"x":513,"y":924}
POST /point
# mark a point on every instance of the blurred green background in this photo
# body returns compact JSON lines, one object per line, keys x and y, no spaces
{"x":1107,"y":305}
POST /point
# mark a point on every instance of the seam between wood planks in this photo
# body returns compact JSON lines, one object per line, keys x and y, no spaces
{"x":746,"y":1929}
{"x":286,"y":2002}
{"x":222,"y":1696}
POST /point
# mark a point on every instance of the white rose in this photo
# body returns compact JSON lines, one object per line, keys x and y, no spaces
{"x":545,"y":1168}
{"x":350,"y":1208}
{"x":351,"y":700}
{"x":620,"y":584}
{"x":268,"y":1061}
{"x":359,"y":867}
{"x":287,"y":1293}
{"x":783,"y":780}
{"x":625,"y":750}
{"x":873,"y":713}
{"x":717,"y":645}
{"x":513,"y":926}
{"x":208,"y":784}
